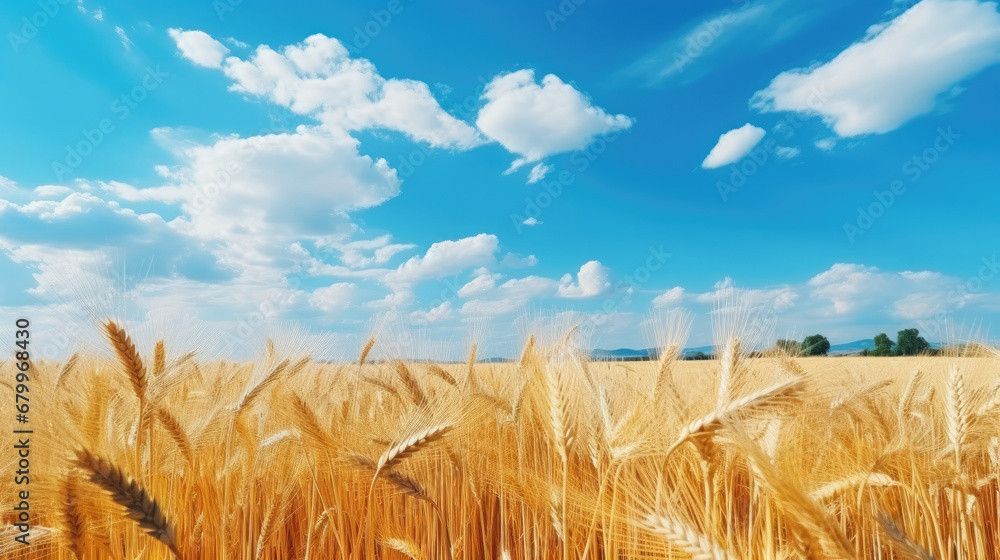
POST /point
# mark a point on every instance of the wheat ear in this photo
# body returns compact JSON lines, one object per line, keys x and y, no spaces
{"x":686,"y":538}
{"x":159,"y":358}
{"x":957,"y":413}
{"x":411,"y":384}
{"x":470,"y":365}
{"x":404,"y":547}
{"x":74,"y":525}
{"x":753,"y":400}
{"x":840,"y":486}
{"x":442,"y":374}
{"x":124,"y":491}
{"x":65,"y":370}
{"x":176,"y":431}
{"x":381,"y":385}
{"x":264,"y":383}
{"x":909,"y":392}
{"x":366,"y":349}
{"x":901,"y":542}
{"x":398,"y":453}
{"x":129,"y":358}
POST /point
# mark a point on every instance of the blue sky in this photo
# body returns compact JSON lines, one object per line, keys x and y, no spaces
{"x":833,"y":163}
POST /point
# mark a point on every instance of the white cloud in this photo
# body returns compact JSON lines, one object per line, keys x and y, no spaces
{"x":845,"y":285}
{"x":52,"y":191}
{"x":733,"y":145}
{"x":319,"y":78}
{"x":673,"y":296}
{"x":7,"y":184}
{"x":895,"y":72}
{"x":514,"y":260}
{"x":334,"y":297}
{"x":445,"y":258}
{"x":483,"y":282}
{"x":368,"y":252}
{"x":237,"y":43}
{"x":592,"y":280}
{"x":510,"y":297}
{"x":854,"y":288}
{"x":321,"y":178}
{"x":531,"y":221}
{"x":434,"y":315}
{"x":538,"y":173}
{"x":785,"y":152}
{"x":778,"y":299}
{"x":126,"y":42}
{"x":535,"y":121}
{"x":826,"y":144}
{"x":199,"y":47}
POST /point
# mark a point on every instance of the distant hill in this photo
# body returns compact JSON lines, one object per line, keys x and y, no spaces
{"x":632,"y":354}
{"x":650,"y":353}
{"x":629,"y":354}
{"x":851,"y":347}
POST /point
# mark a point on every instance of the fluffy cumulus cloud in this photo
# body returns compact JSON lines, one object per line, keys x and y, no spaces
{"x":434,"y":315}
{"x":778,"y":299}
{"x":199,"y":47}
{"x":319,"y":78}
{"x":592,"y":280}
{"x":334,"y":297}
{"x":733,"y":145}
{"x":896,"y":72}
{"x":444,"y":259}
{"x":537,"y":120}
{"x":673,"y":296}
{"x":911,"y":295}
{"x":483,"y":282}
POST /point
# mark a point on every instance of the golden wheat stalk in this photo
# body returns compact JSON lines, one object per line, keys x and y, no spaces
{"x":261,"y":385}
{"x":124,"y":491}
{"x":307,"y":420}
{"x":65,"y":370}
{"x":686,"y":538}
{"x":441,"y":373}
{"x":176,"y":431}
{"x":470,"y":365}
{"x":529,"y":348}
{"x":900,"y":541}
{"x":74,"y":524}
{"x":404,"y":547}
{"x":412,"y":386}
{"x":366,"y":349}
{"x":838,"y":487}
{"x":764,"y":397}
{"x":159,"y":358}
{"x":128,"y":357}
{"x":418,"y":441}
{"x":957,"y":413}
{"x":382,"y":385}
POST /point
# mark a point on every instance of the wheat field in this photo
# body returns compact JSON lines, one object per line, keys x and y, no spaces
{"x":155,"y":453}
